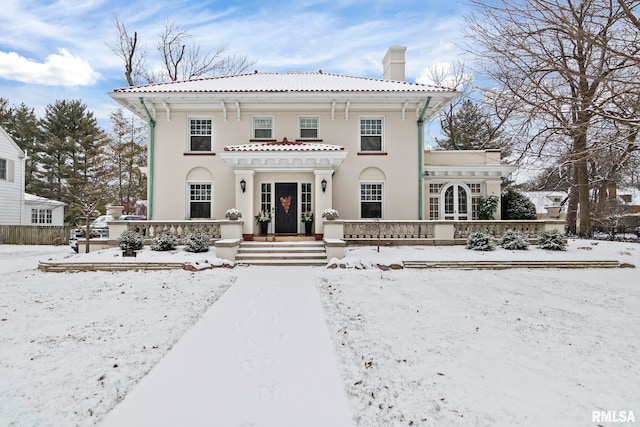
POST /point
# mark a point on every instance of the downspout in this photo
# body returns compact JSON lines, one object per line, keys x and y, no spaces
{"x":152,"y":134}
{"x":420,"y":153}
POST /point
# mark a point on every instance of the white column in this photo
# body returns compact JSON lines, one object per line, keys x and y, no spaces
{"x":323,"y":199}
{"x":244,"y":200}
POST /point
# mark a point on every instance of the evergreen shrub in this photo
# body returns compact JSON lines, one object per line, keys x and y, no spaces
{"x":130,"y":240}
{"x":552,"y":240}
{"x":480,"y":242}
{"x":516,"y":205}
{"x":164,"y":241}
{"x":514,"y":240}
{"x":196,"y":241}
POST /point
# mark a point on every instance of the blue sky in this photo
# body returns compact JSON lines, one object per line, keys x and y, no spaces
{"x":53,"y":50}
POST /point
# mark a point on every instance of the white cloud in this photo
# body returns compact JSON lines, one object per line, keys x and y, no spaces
{"x":61,"y":69}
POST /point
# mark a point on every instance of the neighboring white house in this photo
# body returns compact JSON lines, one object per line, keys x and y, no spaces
{"x":549,"y":203}
{"x":17,"y":207}
{"x":289,"y":143}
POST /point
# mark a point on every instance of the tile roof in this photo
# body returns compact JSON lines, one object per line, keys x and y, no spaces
{"x":283,"y":145}
{"x":284,"y":82}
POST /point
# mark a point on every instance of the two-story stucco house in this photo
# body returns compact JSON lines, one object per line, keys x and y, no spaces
{"x":289,"y":143}
{"x":17,"y":207}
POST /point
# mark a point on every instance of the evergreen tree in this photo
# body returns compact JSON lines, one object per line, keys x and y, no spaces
{"x":470,"y":128}
{"x":27,"y":135}
{"x":72,"y":153}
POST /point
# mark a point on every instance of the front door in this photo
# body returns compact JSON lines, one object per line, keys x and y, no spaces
{"x":286,"y":218}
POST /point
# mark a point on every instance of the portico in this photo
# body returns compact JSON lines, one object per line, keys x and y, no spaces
{"x":284,"y":179}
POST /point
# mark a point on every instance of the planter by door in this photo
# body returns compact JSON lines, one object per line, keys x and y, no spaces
{"x":264,"y":227}
{"x":308,"y":226}
{"x":286,"y":220}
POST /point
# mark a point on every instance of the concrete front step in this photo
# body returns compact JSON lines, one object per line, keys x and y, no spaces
{"x":282,"y":253}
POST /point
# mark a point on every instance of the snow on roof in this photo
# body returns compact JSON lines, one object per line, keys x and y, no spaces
{"x":284,"y":82}
{"x":39,"y":199}
{"x":284,"y":145}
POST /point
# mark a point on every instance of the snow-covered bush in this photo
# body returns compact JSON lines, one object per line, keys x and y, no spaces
{"x":233,"y":214}
{"x":196,"y":241}
{"x":480,"y":242}
{"x":164,"y":241}
{"x":552,"y":240}
{"x":514,"y":240}
{"x":517,"y":206}
{"x":488,"y":207}
{"x":130,"y":240}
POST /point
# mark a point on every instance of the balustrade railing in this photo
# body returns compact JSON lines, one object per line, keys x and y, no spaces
{"x":151,"y":228}
{"x":367,"y":229}
{"x":531,"y":229}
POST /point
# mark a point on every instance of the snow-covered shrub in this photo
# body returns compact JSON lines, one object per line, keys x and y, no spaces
{"x":130,"y":240}
{"x":164,"y":241}
{"x":514,"y":240}
{"x":516,"y":206}
{"x":487,"y":207}
{"x":196,"y":241}
{"x":480,"y":242}
{"x":552,"y":240}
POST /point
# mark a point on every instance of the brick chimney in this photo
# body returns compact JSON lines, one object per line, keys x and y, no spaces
{"x":393,"y":63}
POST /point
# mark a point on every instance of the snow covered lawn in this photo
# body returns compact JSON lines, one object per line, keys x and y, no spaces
{"x":487,"y":348}
{"x":415,"y":347}
{"x":73,"y":344}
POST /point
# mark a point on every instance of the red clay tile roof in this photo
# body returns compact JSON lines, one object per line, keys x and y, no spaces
{"x":284,"y":145}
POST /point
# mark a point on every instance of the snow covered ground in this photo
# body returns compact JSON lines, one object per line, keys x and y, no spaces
{"x":414,"y":347}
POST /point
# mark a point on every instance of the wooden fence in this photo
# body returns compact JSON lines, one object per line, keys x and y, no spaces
{"x":34,"y":235}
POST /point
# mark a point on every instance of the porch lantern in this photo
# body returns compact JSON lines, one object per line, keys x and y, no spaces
{"x":324,"y":185}
{"x":243,"y":185}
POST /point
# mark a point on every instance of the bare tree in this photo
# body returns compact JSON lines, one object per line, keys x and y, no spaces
{"x":181,"y":56}
{"x":558,"y":68}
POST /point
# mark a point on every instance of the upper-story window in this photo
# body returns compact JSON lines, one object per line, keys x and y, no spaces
{"x":200,"y":134}
{"x":3,"y":169}
{"x":263,"y":127}
{"x":308,"y":127}
{"x":371,"y":130}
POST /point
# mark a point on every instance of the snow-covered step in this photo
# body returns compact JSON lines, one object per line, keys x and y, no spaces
{"x":282,"y":253}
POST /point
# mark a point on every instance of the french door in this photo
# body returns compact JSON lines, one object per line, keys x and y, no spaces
{"x":456,"y":203}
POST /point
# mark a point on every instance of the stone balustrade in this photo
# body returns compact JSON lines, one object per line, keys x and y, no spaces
{"x":371,"y":229}
{"x":150,"y":228}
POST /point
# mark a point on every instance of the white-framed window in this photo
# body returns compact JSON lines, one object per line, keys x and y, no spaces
{"x":200,"y":133}
{"x":309,"y":127}
{"x":265,"y":197}
{"x":3,"y":169}
{"x":371,"y":134}
{"x":305,"y":197}
{"x":41,"y":216}
{"x":371,"y":199}
{"x":475,"y":189}
{"x":200,"y":200}
{"x":262,"y":127}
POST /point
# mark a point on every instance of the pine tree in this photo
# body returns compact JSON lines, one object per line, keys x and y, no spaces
{"x":72,"y":153}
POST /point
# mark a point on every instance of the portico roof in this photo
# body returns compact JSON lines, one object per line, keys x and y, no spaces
{"x":283,"y":145}
{"x":284,"y":156}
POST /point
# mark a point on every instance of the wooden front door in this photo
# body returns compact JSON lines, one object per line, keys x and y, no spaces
{"x":286,"y":218}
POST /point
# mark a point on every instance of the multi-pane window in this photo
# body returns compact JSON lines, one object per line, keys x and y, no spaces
{"x":309,"y":127}
{"x":371,"y":198}
{"x":434,"y":201}
{"x":41,"y":216}
{"x":305,"y":197}
{"x":263,"y":127}
{"x":3,"y":169}
{"x":371,"y":134}
{"x":265,"y":197}
{"x":200,"y":134}
{"x":476,"y":194}
{"x":200,"y":201}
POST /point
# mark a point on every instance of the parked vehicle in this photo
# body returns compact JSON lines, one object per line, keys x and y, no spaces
{"x":99,"y":229}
